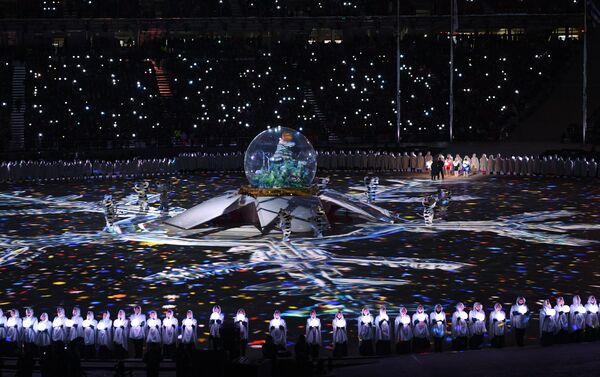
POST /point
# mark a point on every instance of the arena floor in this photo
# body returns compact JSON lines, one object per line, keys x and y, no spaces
{"x":500,"y":237}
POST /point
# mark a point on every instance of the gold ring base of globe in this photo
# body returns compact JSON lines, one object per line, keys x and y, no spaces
{"x":256,"y":192}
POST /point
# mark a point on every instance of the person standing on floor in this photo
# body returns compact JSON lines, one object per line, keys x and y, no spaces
{"x":519,"y":318}
{"x":437,"y":320}
{"x":382,"y":332}
{"x":340,"y":335}
{"x":404,"y":332}
{"x":548,"y":324}
{"x":460,"y":328}
{"x":476,"y":326}
{"x":365,"y":332}
{"x":497,"y":326}
{"x":591,"y":319}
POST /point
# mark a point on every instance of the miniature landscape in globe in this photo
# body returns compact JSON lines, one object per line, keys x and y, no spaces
{"x":280,"y":158}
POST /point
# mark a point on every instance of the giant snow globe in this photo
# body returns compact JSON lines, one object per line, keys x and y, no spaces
{"x":280,"y":158}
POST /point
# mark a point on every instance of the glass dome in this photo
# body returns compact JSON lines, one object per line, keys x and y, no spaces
{"x":280,"y":158}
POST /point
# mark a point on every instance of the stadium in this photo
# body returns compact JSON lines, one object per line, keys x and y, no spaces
{"x":299,"y":187}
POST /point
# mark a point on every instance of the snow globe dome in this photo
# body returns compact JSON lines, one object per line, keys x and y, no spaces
{"x":280,"y":157}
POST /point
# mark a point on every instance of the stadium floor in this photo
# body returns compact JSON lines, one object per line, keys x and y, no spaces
{"x":500,"y":237}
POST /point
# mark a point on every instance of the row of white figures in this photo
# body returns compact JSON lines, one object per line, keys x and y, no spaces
{"x":465,"y":329}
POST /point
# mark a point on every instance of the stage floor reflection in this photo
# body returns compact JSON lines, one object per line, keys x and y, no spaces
{"x":500,"y":237}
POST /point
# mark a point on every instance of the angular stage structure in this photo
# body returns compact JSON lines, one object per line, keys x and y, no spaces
{"x":280,"y":165}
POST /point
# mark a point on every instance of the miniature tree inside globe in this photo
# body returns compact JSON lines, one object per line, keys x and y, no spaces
{"x":280,"y":158}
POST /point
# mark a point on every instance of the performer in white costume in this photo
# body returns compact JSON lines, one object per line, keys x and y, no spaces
{"x":519,"y":318}
{"x":104,"y":336}
{"x":29,"y":330}
{"x":153,"y":333}
{"x":59,"y":330}
{"x":240,"y":322}
{"x":313,"y":334}
{"x":75,"y":338}
{"x":14,"y":329}
{"x":577,"y":319}
{"x":383,"y":332}
{"x":562,"y":319}
{"x":460,"y":328}
{"x":189,"y":331}
{"x":365,"y":332}
{"x":497,"y":325}
{"x":421,"y":336}
{"x":476,"y":326}
{"x":214,"y":325}
{"x":43,"y":339}
{"x":437,"y":320}
{"x":278,"y":331}
{"x":120,"y":335}
{"x":137,"y":323}
{"x":89,"y":325}
{"x":340,"y":335}
{"x":403,"y":331}
{"x":548,"y":324}
{"x":169,"y":332}
{"x":591,"y":319}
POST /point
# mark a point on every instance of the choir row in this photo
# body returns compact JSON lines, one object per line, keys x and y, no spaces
{"x":360,"y":160}
{"x":465,"y":328}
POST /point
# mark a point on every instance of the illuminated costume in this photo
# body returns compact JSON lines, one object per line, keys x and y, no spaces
{"x":313,"y":334}
{"x":562,"y":319}
{"x":104,"y":336}
{"x":137,"y":323}
{"x":420,"y":322}
{"x":14,"y":329}
{"x":189,"y":331}
{"x":460,"y":328}
{"x":153,"y":334}
{"x":240,"y":322}
{"x":519,"y":318}
{"x":437,"y":320}
{"x":577,"y":319}
{"x":278,"y":331}
{"x":75,"y":331}
{"x":89,"y":326}
{"x":29,"y":330}
{"x":476,"y":326}
{"x":497,"y":325}
{"x":214,"y":323}
{"x":169,"y":333}
{"x":340,"y":336}
{"x":548,"y":324}
{"x":120,"y":336}
{"x":59,"y":330}
{"x":403,"y":332}
{"x":383,"y":332}
{"x":365,"y":333}
{"x":591,"y":319}
{"x":43,"y":334}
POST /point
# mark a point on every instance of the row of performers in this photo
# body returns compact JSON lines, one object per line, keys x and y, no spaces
{"x":560,"y":323}
{"x":520,"y":165}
